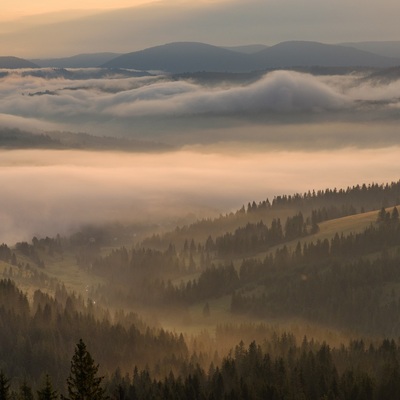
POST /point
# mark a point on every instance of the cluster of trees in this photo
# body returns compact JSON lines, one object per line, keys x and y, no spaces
{"x":7,"y":255}
{"x":327,"y":213}
{"x":309,"y":371}
{"x":39,"y":337}
{"x":83,"y":382}
{"x":279,"y":369}
{"x":367,"y":197}
{"x":318,"y":206}
{"x":289,"y":279}
{"x":257,"y":237}
{"x":350,"y":281}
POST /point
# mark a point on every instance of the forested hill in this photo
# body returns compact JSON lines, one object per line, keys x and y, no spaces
{"x":318,"y":262}
{"x":315,"y":206}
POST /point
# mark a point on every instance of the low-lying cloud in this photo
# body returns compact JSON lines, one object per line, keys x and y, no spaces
{"x":49,"y":192}
{"x":158,"y":107}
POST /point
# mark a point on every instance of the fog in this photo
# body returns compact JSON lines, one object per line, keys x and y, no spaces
{"x":184,"y":112}
{"x":232,"y":143}
{"x":49,"y":192}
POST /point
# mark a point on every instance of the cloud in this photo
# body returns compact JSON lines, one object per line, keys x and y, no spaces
{"x":182,"y":112}
{"x":281,"y":91}
{"x":45,"y":192}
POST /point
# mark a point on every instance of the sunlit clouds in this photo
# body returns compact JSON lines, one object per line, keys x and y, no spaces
{"x":45,"y":192}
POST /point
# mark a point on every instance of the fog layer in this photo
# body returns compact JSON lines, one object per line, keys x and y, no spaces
{"x":45,"y":192}
{"x":188,"y":112}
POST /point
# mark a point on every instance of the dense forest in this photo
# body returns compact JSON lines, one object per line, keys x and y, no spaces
{"x":217,"y":309}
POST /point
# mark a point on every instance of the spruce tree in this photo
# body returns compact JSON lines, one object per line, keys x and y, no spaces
{"x":83,"y":384}
{"x":47,"y":392}
{"x":4,"y":387}
{"x":25,"y":392}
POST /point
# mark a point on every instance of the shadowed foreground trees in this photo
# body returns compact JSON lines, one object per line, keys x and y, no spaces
{"x":83,"y":382}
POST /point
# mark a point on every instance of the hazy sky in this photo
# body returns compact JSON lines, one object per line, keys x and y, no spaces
{"x":218,"y":22}
{"x":12,"y":9}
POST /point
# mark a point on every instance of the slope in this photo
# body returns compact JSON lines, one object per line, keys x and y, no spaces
{"x":15,"y":63}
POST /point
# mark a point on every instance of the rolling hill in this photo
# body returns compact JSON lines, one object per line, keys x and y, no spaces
{"x":9,"y":62}
{"x":307,"y":54}
{"x":383,"y":48}
{"x":77,"y":61}
{"x":182,"y":57}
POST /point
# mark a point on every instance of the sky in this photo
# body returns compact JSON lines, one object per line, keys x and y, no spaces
{"x":69,"y":28}
{"x":15,"y":9}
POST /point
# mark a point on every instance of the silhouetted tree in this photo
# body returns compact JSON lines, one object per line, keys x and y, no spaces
{"x":4,"y":387}
{"x":83,"y":384}
{"x":47,"y":392}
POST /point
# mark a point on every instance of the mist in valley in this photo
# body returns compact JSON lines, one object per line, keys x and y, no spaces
{"x":48,"y":192}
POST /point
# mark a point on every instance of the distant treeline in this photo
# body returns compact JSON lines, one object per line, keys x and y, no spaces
{"x":348,"y":282}
{"x":316,"y":206}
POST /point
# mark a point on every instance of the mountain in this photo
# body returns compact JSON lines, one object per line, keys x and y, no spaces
{"x":247,"y":49}
{"x":77,"y":61}
{"x":15,"y":63}
{"x":384,"y":48}
{"x":302,"y":53}
{"x":179,"y":57}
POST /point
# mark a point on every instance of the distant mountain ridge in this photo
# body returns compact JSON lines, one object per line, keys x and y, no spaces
{"x":179,"y":57}
{"x":10,"y":62}
{"x":77,"y":61}
{"x":183,"y":57}
{"x":190,"y":57}
{"x":383,"y":48}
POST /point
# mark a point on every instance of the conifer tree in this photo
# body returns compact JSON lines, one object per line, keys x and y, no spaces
{"x":83,"y":382}
{"x":4,"y":387}
{"x":25,"y":392}
{"x":47,"y":392}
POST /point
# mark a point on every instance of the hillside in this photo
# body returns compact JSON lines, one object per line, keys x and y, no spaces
{"x":330,"y":273}
{"x":267,"y":243}
{"x":383,"y":48}
{"x":183,"y":57}
{"x":301,"y":53}
{"x":15,"y":63}
{"x":78,"y":61}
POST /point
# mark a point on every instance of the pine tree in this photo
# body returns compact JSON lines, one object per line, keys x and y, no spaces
{"x":47,"y":392}
{"x":4,"y":387}
{"x":83,"y":384}
{"x":25,"y":392}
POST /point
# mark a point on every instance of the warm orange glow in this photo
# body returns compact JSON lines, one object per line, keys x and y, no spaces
{"x":49,"y":191}
{"x":23,"y":8}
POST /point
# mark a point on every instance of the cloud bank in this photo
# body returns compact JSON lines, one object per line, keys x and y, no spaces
{"x":49,"y":192}
{"x":186,"y":111}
